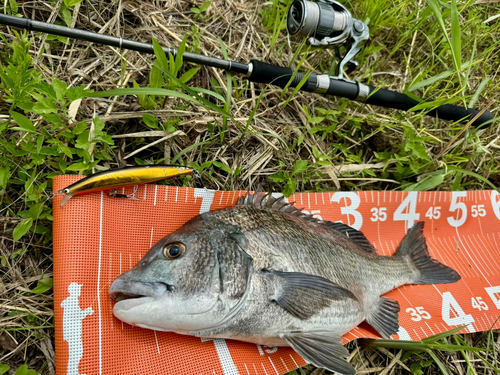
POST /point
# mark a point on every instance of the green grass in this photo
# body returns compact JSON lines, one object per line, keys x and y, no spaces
{"x":246,"y":135}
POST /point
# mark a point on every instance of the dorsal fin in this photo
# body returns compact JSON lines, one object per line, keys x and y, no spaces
{"x":353,"y":234}
{"x":261,"y":200}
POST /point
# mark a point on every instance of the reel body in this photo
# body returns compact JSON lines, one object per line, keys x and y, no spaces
{"x":326,"y":23}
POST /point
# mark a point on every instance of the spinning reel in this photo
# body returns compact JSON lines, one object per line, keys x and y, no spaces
{"x":327,"y":23}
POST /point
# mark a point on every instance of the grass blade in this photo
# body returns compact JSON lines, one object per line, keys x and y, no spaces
{"x":198,"y":99}
{"x":430,"y":81}
{"x":472,"y":174}
{"x":428,"y":183}
{"x":160,"y":92}
{"x":456,"y":43}
{"x":438,"y":362}
{"x":174,"y":160}
{"x":443,"y":335}
{"x":439,"y":18}
{"x":478,"y":92}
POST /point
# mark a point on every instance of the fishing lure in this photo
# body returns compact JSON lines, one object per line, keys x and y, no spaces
{"x":113,"y":178}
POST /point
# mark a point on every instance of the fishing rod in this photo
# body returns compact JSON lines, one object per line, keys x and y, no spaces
{"x":303,"y":17}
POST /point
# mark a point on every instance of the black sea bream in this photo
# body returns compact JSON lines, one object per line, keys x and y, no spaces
{"x":264,"y":272}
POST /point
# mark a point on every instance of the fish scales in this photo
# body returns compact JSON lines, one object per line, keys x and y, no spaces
{"x":312,"y":249}
{"x":264,"y":272}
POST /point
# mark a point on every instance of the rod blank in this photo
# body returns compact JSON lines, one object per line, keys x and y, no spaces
{"x":44,"y":27}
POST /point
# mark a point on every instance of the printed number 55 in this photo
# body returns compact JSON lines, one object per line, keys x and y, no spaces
{"x":418,"y":313}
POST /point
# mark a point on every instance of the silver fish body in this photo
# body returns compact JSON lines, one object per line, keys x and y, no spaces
{"x":263,"y":272}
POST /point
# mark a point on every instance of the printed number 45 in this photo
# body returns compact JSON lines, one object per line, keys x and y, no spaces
{"x":418,"y":313}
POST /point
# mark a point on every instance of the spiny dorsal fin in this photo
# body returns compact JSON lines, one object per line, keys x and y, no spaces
{"x":261,"y":199}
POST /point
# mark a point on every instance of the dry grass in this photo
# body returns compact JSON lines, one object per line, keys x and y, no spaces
{"x":263,"y":150}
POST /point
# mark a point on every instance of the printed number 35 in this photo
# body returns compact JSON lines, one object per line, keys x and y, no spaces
{"x":418,"y":313}
{"x":378,"y":214}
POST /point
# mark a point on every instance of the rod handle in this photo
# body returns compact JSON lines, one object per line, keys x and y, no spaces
{"x":275,"y":75}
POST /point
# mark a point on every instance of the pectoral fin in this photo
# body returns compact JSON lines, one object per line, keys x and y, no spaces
{"x":304,"y":295}
{"x":322,"y":349}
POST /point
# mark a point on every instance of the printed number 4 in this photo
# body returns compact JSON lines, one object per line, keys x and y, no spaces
{"x":407,"y":210}
{"x":418,"y":313}
{"x":458,"y":317}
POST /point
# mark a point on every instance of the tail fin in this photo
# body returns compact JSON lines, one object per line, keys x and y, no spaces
{"x":431,"y":271}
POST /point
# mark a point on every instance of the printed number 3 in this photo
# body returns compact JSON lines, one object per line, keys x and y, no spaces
{"x":418,"y":313}
{"x":350,"y":209}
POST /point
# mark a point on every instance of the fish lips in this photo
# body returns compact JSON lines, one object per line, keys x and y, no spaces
{"x":131,"y":290}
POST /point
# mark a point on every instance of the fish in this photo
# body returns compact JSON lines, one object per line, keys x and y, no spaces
{"x":114,"y":178}
{"x":264,"y":272}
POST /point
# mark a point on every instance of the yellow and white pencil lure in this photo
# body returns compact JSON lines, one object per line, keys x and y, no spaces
{"x":114,"y":178}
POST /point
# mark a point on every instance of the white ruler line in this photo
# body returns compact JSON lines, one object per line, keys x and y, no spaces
{"x":226,"y":361}
{"x":99,"y":283}
{"x":274,"y":367}
{"x":482,"y":246}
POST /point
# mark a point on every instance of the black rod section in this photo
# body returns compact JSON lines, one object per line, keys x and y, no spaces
{"x":324,"y":84}
{"x":44,"y":27}
{"x":396,"y":100}
{"x":258,"y":71}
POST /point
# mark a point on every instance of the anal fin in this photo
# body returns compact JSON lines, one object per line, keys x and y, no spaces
{"x":322,"y":349}
{"x":385,"y":317}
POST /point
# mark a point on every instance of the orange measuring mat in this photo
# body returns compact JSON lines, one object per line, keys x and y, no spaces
{"x":97,"y":237}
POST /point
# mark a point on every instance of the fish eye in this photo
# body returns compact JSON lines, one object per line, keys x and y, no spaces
{"x":174,"y":250}
{"x":66,"y":191}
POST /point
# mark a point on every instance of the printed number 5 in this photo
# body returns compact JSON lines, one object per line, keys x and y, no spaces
{"x":418,"y":313}
{"x":456,"y":205}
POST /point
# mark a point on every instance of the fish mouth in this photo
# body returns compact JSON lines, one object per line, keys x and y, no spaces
{"x":121,"y":290}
